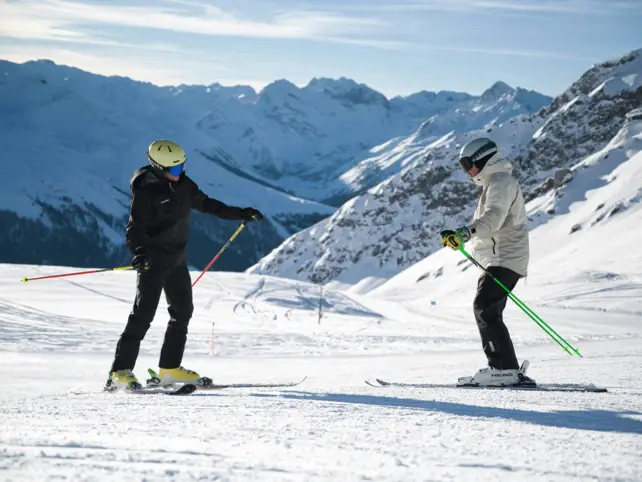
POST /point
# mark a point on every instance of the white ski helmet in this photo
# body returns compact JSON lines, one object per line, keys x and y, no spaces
{"x":167,"y":156}
{"x":477,"y":153}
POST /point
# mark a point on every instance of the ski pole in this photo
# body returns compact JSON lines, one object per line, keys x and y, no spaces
{"x":219,"y":253}
{"x":527,"y":310}
{"x":520,"y":304}
{"x":25,"y":279}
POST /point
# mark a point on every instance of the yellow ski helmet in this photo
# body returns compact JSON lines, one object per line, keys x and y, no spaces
{"x":167,"y":156}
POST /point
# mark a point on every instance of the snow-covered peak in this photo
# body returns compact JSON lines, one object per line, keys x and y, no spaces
{"x":497,"y":91}
{"x":277,"y":91}
{"x":342,"y":84}
{"x":609,"y":78}
{"x":347,"y":91}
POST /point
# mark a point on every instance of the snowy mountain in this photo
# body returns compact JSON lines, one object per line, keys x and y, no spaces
{"x":306,"y":140}
{"x":396,"y":223}
{"x":72,"y":141}
{"x":571,"y":239}
{"x":75,"y":138}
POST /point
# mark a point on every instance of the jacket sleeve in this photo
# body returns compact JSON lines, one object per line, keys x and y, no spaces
{"x":205,"y":204}
{"x":499,"y":197}
{"x":136,"y":236}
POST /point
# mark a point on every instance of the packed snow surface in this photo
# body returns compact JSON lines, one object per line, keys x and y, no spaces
{"x":57,"y":339}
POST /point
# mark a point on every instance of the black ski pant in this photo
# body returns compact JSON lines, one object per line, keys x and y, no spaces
{"x":176,"y":282}
{"x":488,"y":306}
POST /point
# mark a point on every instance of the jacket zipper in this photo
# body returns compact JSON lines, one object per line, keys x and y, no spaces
{"x":493,"y":245}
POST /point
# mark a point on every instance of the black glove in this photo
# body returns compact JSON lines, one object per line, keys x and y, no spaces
{"x":455,"y":239}
{"x":250,"y":214}
{"x":141,"y":262}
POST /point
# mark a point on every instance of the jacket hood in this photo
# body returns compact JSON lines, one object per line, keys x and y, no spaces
{"x":494,"y":165}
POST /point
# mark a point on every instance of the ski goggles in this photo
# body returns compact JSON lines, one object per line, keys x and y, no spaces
{"x":176,"y":170}
{"x":466,"y":163}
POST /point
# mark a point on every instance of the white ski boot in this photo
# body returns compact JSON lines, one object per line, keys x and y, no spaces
{"x":494,"y":377}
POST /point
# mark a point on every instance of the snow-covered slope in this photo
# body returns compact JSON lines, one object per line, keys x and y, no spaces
{"x":396,"y":223}
{"x":57,"y":341}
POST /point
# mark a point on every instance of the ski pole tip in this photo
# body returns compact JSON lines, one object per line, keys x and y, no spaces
{"x":25,"y":279}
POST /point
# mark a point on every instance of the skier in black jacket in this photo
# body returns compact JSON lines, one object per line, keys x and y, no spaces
{"x":162,"y":199}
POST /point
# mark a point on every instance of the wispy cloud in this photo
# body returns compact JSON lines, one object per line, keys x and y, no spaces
{"x":61,"y":21}
{"x":99,"y":64}
{"x":150,"y":70}
{"x":507,"y":52}
{"x":595,"y":7}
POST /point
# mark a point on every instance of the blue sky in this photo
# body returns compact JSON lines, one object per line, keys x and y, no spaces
{"x":395,"y":46}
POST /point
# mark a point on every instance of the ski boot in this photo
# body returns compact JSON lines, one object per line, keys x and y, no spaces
{"x":122,"y":379}
{"x":171,"y":376}
{"x":494,"y":377}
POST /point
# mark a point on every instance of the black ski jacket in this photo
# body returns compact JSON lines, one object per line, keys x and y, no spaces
{"x":160,"y":211}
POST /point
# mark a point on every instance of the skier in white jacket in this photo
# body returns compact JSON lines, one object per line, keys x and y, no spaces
{"x":499,"y":239}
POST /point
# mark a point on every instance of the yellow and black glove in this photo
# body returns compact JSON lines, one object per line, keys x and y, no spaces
{"x":141,"y":262}
{"x":455,"y":239}
{"x":250,"y":214}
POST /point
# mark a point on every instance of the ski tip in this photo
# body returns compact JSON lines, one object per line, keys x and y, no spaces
{"x":382,"y":382}
{"x":375,"y":385}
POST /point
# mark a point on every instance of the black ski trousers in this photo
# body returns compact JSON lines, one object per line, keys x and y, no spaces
{"x":177,"y":283}
{"x":488,"y":306}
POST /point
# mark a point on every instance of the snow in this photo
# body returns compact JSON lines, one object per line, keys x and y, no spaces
{"x":57,"y":339}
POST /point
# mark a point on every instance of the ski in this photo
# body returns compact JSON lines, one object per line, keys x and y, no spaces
{"x":548,"y":387}
{"x":205,"y":383}
{"x":217,"y":386}
{"x":181,"y":390}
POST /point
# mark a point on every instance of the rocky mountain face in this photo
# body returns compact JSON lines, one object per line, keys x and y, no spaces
{"x":396,"y":223}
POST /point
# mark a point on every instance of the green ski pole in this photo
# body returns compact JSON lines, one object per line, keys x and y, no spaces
{"x":539,"y":322}
{"x":565,"y":345}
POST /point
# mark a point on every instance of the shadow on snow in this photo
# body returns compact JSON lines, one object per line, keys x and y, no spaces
{"x":595,"y":420}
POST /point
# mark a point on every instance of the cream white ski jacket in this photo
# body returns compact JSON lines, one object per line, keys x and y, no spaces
{"x":499,"y":234}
